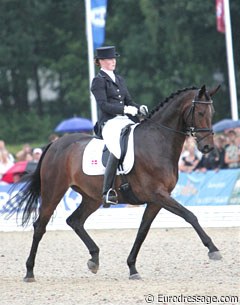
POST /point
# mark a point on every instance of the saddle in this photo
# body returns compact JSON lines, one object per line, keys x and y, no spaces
{"x":96,"y":154}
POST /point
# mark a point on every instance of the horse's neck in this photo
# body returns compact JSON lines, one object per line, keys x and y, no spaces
{"x":167,"y":124}
{"x":170,"y":116}
{"x":157,"y":142}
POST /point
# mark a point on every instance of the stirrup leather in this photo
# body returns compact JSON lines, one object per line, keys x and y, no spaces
{"x":111,"y":197}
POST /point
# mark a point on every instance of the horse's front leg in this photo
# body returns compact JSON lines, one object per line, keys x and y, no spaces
{"x":149,"y":214}
{"x":76,"y":221}
{"x":173,"y":206}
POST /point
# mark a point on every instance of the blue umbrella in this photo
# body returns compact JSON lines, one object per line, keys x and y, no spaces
{"x":225,"y":124}
{"x":75,"y":124}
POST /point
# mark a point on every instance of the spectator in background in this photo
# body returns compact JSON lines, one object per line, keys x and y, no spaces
{"x":208,"y":161}
{"x":6,"y":159}
{"x":2,"y":144}
{"x":25,"y":154}
{"x":214,"y":160}
{"x":238,"y":139}
{"x":232,"y":152}
{"x":5,"y":162}
{"x":189,"y":157}
{"x":220,"y":143}
{"x":17,"y":177}
{"x":3,"y":147}
{"x":36,"y":155}
{"x":53,"y":137}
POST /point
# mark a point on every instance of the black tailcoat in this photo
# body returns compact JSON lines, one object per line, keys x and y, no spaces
{"x":111,"y":97}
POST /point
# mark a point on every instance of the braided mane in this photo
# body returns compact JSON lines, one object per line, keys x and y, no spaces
{"x":161,"y":104}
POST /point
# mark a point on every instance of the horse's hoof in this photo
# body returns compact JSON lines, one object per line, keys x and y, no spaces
{"x":93,"y":267}
{"x":135,"y":276}
{"x":29,"y":279}
{"x":215,"y":255}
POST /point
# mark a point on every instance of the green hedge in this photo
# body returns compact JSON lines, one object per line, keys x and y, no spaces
{"x":18,"y":128}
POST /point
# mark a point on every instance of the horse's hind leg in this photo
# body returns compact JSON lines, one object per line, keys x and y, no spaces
{"x":45,"y":213}
{"x":173,"y":206}
{"x":76,"y":221}
{"x":39,"y":230}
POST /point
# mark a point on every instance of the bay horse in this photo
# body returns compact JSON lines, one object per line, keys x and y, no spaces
{"x":158,"y":142}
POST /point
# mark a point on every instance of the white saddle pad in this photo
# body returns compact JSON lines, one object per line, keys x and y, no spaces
{"x":92,"y":156}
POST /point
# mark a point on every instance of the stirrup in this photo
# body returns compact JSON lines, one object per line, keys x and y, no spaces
{"x":110,"y":198}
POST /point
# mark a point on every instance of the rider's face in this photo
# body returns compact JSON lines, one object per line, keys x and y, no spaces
{"x":108,"y":64}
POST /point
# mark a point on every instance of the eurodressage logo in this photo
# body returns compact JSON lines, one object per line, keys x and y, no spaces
{"x":98,"y":16}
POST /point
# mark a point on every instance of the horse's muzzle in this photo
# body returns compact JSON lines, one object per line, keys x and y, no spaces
{"x":206,"y":149}
{"x":205,"y":144}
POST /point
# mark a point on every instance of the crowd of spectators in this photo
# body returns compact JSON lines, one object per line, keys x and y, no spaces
{"x":226,"y":154}
{"x":28,"y":153}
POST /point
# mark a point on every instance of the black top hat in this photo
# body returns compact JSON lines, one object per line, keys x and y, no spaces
{"x":106,"y":53}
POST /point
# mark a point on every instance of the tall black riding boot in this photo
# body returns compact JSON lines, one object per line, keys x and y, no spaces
{"x":109,"y":194}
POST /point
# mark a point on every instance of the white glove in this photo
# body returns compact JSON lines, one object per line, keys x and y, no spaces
{"x":130,"y":110}
{"x":143,"y":109}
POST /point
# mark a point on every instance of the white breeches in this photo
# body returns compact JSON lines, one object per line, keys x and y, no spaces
{"x":111,"y":133}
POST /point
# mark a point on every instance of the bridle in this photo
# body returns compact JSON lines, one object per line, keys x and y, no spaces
{"x":192,"y":130}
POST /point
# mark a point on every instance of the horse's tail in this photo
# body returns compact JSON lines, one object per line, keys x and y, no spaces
{"x":27,"y":198}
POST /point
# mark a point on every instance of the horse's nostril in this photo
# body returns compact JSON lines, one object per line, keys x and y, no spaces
{"x":207,"y":149}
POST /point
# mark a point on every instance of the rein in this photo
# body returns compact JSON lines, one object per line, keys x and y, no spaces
{"x":183,"y":133}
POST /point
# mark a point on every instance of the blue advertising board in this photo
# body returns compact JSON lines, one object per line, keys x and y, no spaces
{"x":208,"y":189}
{"x":195,"y":189}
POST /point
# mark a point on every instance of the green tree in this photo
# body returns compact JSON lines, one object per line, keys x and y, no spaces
{"x":164,"y":46}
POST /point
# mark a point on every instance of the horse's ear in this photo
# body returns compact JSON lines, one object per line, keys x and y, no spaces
{"x":201,"y":91}
{"x":213,"y":91}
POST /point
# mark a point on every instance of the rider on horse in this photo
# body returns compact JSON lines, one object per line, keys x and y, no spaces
{"x":115,"y":110}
